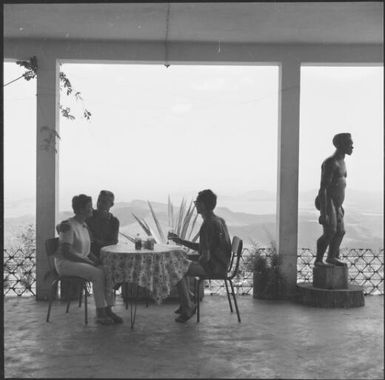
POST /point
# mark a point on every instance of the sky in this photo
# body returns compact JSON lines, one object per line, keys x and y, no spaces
{"x":156,"y":131}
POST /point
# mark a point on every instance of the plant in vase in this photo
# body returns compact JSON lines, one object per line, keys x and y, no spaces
{"x":264,"y":263}
{"x":182,"y":222}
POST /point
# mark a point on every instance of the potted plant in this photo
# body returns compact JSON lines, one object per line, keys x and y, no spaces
{"x":267,"y":279}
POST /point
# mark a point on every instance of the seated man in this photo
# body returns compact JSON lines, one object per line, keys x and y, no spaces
{"x":103,"y":226}
{"x":214,"y":249}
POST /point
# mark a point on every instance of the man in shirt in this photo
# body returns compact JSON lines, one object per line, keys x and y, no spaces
{"x":103,"y":226}
{"x":214,"y":249}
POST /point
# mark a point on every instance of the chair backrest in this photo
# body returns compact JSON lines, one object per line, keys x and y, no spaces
{"x":51,"y":246}
{"x":236,"y":253}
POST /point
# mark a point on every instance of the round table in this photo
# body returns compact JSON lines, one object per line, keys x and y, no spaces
{"x":157,"y":270}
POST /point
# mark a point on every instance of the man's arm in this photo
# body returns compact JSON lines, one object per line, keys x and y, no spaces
{"x":115,"y":231}
{"x":190,"y":244}
{"x":186,"y":243}
{"x":205,"y":256}
{"x":205,"y":237}
{"x":94,"y":259}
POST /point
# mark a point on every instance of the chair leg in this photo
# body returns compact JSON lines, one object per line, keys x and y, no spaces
{"x":134,"y":298}
{"x":68,"y":304}
{"x":126,"y":294}
{"x":51,"y":298}
{"x":80,"y":295}
{"x":85,"y":304}
{"x":197,"y":298}
{"x":235,"y":301}
{"x":228,"y":296}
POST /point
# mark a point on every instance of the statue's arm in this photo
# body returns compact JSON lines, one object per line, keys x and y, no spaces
{"x":328,"y":168}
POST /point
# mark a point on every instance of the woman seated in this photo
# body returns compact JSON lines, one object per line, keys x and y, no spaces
{"x":75,"y":258}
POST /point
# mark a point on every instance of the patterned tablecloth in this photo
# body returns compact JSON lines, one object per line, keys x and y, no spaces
{"x":158,"y":270}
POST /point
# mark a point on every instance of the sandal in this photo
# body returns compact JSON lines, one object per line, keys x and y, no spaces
{"x":106,"y":321}
{"x":185,"y":317}
{"x":115,"y":318}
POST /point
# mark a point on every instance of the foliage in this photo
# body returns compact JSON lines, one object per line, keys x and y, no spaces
{"x":31,"y":67}
{"x":182,"y":222}
{"x":65,"y":85}
{"x":50,"y":140}
{"x":268,"y":280}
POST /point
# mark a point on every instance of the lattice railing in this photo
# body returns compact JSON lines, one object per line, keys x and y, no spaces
{"x":366,"y":268}
{"x":19,"y":272}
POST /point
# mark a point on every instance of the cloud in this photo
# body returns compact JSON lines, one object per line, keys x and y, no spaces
{"x":214,"y":84}
{"x":181,"y":108}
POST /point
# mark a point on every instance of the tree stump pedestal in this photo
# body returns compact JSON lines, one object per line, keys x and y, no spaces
{"x":330,"y":289}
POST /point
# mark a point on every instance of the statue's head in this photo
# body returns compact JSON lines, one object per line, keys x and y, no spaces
{"x":344,"y":143}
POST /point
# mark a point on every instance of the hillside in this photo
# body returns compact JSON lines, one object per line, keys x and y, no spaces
{"x":363,"y":219}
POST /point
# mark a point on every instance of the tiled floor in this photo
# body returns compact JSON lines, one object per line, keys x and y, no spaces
{"x":276,"y":339}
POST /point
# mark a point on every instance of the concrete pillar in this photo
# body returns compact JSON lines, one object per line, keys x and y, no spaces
{"x":288,"y":159}
{"x":47,"y":163}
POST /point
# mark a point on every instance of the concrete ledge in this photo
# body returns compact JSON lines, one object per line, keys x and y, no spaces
{"x":331,"y":298}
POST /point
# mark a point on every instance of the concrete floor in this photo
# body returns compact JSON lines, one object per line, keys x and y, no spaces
{"x":276,"y":339}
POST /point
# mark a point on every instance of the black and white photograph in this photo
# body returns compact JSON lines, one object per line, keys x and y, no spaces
{"x":193,"y":189}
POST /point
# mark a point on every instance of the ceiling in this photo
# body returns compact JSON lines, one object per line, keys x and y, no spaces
{"x":270,"y":22}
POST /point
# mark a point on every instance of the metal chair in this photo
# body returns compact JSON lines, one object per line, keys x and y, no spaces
{"x":51,"y":246}
{"x":232,"y":270}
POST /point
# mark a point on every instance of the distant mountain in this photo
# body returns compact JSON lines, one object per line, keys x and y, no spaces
{"x":254,"y":195}
{"x":358,"y":200}
{"x":363,"y":218}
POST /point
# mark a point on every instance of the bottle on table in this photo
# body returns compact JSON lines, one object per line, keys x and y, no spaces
{"x":138,"y":242}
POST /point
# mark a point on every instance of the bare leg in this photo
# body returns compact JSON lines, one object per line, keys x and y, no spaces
{"x":329,"y":231}
{"x":334,"y":250}
{"x":187,"y":306}
{"x":334,"y":246}
{"x":322,"y":244}
{"x":184,"y":295}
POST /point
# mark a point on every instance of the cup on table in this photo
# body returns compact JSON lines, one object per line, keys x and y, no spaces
{"x":171,"y":234}
{"x":149,"y":243}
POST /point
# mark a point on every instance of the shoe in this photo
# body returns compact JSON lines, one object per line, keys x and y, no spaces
{"x":185,"y":317}
{"x":106,"y":321}
{"x":115,"y":318}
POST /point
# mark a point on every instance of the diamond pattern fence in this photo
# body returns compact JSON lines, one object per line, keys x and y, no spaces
{"x":366,"y":268}
{"x":19,"y":272}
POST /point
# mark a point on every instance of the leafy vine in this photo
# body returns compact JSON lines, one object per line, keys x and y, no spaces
{"x":65,"y":85}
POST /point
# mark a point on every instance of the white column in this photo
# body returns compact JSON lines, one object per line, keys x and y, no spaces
{"x":47,"y":164}
{"x":288,"y":160}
